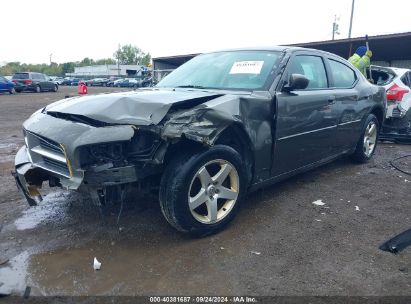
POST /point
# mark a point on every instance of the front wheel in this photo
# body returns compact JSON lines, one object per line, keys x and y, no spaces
{"x":368,"y":141}
{"x":55,"y":89}
{"x":201,"y":193}
{"x":12,"y":91}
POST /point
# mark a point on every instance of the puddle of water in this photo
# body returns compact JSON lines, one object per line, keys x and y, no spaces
{"x":13,"y":275}
{"x":128,"y":268}
{"x":53,"y":207}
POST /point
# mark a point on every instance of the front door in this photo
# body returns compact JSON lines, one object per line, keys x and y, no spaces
{"x":306,"y":119}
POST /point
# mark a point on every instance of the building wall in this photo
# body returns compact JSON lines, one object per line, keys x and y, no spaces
{"x":105,"y":70}
{"x":406,"y":64}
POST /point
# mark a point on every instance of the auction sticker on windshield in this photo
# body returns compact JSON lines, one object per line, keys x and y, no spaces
{"x":246,"y":67}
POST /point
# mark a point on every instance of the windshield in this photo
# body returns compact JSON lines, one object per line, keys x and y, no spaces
{"x":247,"y":70}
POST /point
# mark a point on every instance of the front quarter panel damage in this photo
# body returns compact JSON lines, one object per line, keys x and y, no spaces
{"x":252,"y":113}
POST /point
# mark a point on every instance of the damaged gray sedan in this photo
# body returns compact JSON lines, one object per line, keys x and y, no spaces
{"x":221,"y":125}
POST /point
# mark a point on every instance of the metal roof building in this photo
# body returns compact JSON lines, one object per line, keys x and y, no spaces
{"x":388,"y":50}
{"x":107,"y":70}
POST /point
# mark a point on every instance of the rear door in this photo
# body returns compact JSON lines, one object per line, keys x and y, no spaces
{"x":348,"y":103}
{"x":306,"y":119}
{"x":45,"y":82}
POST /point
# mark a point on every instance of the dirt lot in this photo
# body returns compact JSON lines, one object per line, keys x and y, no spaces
{"x":279,"y":244}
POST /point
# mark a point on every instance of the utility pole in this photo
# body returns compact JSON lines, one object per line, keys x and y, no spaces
{"x":335,"y":26}
{"x":50,"y":58}
{"x":352,"y":15}
{"x":118,"y":60}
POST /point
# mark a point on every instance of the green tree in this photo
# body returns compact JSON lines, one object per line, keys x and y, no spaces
{"x":130,"y":54}
{"x":86,"y":61}
{"x":105,"y":61}
{"x":146,"y":60}
{"x":67,"y":67}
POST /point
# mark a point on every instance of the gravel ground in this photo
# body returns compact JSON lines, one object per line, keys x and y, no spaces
{"x":279,"y":244}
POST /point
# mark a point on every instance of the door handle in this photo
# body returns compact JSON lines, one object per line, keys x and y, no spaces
{"x":331,"y":99}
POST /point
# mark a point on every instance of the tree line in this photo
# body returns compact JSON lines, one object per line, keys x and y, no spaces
{"x":126,"y":54}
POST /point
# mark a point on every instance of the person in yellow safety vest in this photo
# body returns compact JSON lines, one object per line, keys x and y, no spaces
{"x":361,"y":59}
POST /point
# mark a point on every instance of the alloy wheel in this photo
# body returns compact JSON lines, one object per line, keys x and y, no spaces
{"x":370,"y":138}
{"x":213,"y":191}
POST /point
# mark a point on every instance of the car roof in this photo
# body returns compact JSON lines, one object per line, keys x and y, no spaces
{"x":279,"y":48}
{"x":28,"y":73}
{"x":397,"y":71}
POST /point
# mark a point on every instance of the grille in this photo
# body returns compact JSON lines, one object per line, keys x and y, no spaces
{"x":57,"y":166}
{"x":47,"y":154}
{"x":49,"y":145}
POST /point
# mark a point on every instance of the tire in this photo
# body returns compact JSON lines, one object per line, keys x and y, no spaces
{"x":213,"y":205}
{"x":368,"y":141}
{"x":38,"y":89}
{"x":56,"y":88}
{"x":12,"y":91}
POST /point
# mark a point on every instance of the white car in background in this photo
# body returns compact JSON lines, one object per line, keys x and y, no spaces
{"x":58,"y":80}
{"x":397,"y":83}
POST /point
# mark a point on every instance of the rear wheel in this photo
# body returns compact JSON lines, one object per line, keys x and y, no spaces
{"x":38,"y":89}
{"x":201,"y":193}
{"x":368,"y":140}
{"x":55,"y":89}
{"x":12,"y":91}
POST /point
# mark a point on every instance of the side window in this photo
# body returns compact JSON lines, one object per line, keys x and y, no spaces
{"x":343,"y":76}
{"x":35,"y":76}
{"x":2,"y":79}
{"x":311,"y":67}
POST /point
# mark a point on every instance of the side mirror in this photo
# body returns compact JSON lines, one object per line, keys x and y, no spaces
{"x":296,"y":82}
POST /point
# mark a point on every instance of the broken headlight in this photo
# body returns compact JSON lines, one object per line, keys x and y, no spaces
{"x":107,"y":152}
{"x":143,"y":145}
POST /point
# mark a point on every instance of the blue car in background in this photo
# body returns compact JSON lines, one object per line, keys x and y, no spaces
{"x":6,"y":85}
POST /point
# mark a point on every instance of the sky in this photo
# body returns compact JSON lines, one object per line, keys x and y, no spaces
{"x":75,"y":29}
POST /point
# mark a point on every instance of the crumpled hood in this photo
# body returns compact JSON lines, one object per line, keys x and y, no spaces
{"x":144,"y":107}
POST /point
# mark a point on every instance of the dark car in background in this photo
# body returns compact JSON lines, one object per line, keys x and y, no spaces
{"x":6,"y":85}
{"x":112,"y":81}
{"x":75,"y":81}
{"x":127,"y":83}
{"x":98,"y":82}
{"x":66,"y":81}
{"x":219,"y":126}
{"x":36,"y":82}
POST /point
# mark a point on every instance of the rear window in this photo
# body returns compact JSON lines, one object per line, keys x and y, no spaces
{"x":21,"y":76}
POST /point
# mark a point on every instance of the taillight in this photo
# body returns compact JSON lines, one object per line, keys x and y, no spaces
{"x":396,"y":93}
{"x":27,"y":81}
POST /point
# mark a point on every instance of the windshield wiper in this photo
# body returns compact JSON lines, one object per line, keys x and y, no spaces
{"x":190,"y":86}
